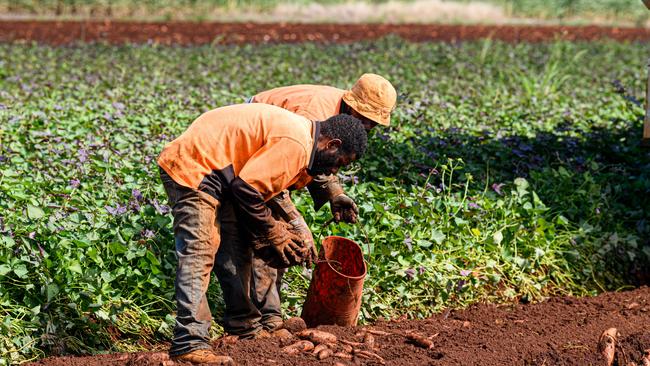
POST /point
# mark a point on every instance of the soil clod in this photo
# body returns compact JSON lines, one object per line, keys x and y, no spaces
{"x":294,"y":325}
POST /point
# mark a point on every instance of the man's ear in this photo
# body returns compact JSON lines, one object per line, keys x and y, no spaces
{"x":334,"y":144}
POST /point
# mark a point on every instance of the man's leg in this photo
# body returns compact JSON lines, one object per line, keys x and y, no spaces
{"x":266,"y":281}
{"x":265,"y":293}
{"x":197,"y":240}
{"x":233,"y":269}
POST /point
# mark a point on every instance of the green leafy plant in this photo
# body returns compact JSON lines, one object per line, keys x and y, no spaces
{"x":489,"y":185}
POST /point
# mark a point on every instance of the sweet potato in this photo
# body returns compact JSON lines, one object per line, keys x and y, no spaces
{"x":346,"y":348}
{"x":326,"y":353}
{"x":317,"y":336}
{"x":379,"y":332}
{"x":319,"y":348}
{"x":282,"y":334}
{"x":298,"y":347}
{"x":343,"y":355}
{"x":368,"y":354}
{"x":419,"y":340}
{"x":369,"y":341}
{"x":350,"y":343}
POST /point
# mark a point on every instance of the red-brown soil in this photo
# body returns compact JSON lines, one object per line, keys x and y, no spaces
{"x":185,"y":33}
{"x":561,"y":331}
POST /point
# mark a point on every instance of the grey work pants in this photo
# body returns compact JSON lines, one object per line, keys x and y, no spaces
{"x":248,"y":308}
{"x":265,"y":283}
{"x":204,"y":226}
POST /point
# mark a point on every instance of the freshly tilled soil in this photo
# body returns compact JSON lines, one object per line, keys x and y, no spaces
{"x":190,"y":33}
{"x":560,"y":331}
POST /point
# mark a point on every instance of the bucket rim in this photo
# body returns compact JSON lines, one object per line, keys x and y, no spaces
{"x":365,"y":267}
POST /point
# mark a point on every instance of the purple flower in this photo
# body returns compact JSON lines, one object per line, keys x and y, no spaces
{"x":137,"y":195}
{"x":597,"y":210}
{"x":410,"y":273}
{"x":118,"y":105}
{"x":117,"y":210}
{"x":408,"y":242}
{"x":421,"y":270}
{"x":497,"y":188}
{"x":82,"y":154}
{"x":134,"y":206}
{"x":148,"y":234}
{"x":460,"y":285}
{"x":32,"y":235}
{"x":465,"y":272}
{"x":473,"y":206}
{"x":74,"y":183}
{"x":162,"y":209}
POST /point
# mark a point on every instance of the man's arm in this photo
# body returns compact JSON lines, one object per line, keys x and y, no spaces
{"x":270,"y":170}
{"x":283,"y":208}
{"x":327,"y":188}
{"x":323,"y":188}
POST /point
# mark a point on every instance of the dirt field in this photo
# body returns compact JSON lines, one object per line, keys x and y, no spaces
{"x":58,"y":33}
{"x":562,"y":331}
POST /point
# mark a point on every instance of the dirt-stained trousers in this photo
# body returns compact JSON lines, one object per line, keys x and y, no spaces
{"x":204,"y":226}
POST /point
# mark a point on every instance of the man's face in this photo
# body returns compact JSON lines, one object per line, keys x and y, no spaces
{"x":368,"y":124}
{"x":328,"y":160}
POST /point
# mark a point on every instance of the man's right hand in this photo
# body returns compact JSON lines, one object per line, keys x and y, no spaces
{"x":287,"y":245}
{"x":279,"y":248}
{"x":308,"y":250}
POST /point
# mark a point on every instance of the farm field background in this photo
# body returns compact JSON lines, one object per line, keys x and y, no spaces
{"x":621,"y":12}
{"x":512,"y":172}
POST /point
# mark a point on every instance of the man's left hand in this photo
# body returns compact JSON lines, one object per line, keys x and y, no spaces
{"x":344,"y":209}
{"x":299,"y":227}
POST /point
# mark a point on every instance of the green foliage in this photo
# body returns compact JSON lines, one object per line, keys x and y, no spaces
{"x":510,"y":173}
{"x":621,"y":9}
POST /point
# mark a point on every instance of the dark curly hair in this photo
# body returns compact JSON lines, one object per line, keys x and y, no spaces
{"x":349,"y":130}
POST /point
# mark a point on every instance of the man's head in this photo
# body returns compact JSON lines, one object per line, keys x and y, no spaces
{"x":371,"y":100}
{"x":341,"y":141}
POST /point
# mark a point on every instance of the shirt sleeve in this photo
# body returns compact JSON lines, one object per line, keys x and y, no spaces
{"x":269,"y":171}
{"x":323,"y":188}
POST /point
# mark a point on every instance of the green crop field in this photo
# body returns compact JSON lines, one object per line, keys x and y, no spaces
{"x":511,"y":173}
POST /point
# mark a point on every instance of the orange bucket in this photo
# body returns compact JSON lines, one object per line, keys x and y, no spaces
{"x":334,"y":295}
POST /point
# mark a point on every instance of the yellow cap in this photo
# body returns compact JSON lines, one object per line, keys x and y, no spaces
{"x":373,"y":97}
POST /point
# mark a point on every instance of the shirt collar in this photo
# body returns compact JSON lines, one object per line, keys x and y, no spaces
{"x":316,"y":130}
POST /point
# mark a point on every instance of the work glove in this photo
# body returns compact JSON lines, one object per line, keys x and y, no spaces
{"x":344,"y":208}
{"x":299,"y":227}
{"x":279,"y":248}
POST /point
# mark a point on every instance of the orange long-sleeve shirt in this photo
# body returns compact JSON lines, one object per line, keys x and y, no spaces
{"x":250,"y":151}
{"x":315,"y":102}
